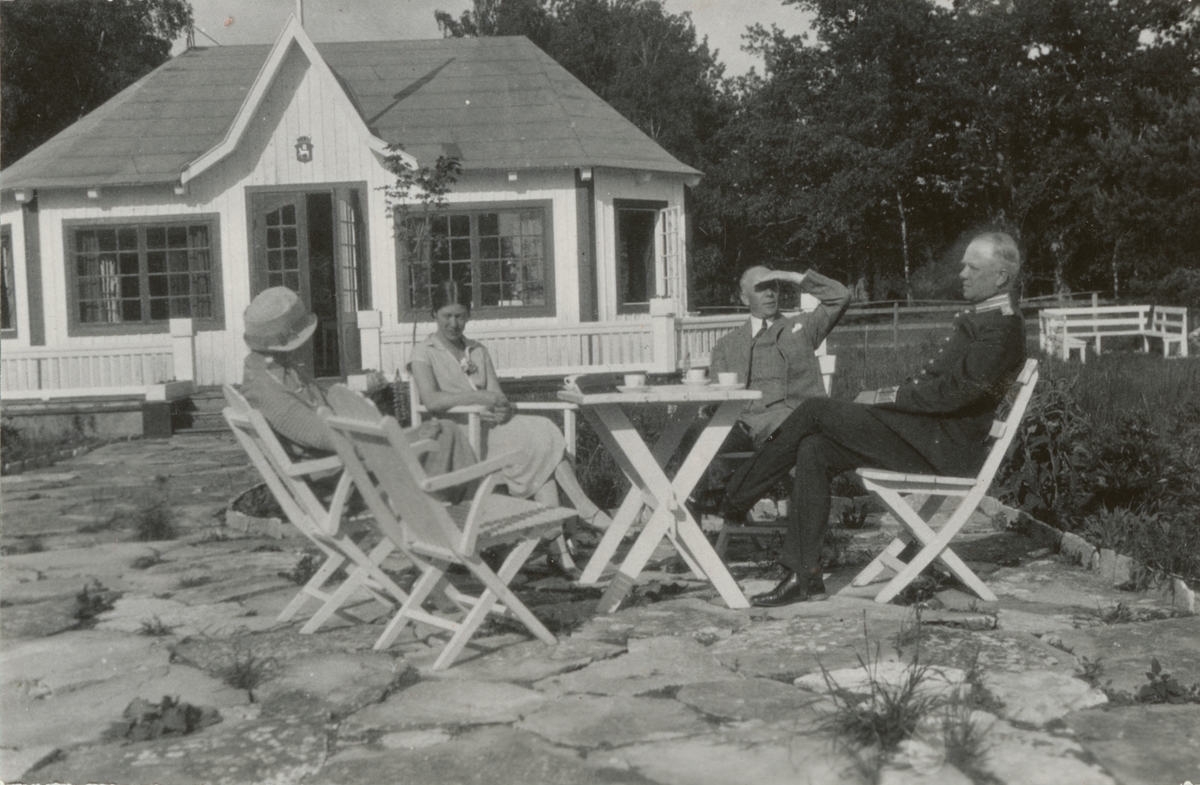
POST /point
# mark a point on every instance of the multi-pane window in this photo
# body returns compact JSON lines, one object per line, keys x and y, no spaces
{"x":8,"y":295}
{"x":144,"y":274}
{"x":500,"y":256}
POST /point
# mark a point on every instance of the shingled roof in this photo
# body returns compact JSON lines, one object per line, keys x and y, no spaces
{"x":496,"y":103}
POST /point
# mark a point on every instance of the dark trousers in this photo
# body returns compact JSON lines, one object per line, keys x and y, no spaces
{"x":822,"y":438}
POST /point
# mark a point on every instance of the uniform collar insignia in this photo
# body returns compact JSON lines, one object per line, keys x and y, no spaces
{"x":1000,"y":302}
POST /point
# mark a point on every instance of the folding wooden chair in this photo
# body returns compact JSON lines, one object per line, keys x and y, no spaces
{"x":388,"y":474}
{"x":475,"y":435}
{"x":289,"y":482}
{"x":970,"y":490}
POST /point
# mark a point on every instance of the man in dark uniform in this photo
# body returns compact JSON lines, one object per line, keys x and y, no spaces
{"x":937,"y":422}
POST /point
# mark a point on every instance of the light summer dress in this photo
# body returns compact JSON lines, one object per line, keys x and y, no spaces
{"x":538,"y":442}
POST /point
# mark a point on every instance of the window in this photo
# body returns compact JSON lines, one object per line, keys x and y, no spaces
{"x":8,"y":287}
{"x":501,"y":255}
{"x":637,"y":254}
{"x":139,"y":276}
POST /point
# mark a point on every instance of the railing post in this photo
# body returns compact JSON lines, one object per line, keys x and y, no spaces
{"x":370,"y":325}
{"x":664,"y":329}
{"x":896,"y":327}
{"x":183,"y":349}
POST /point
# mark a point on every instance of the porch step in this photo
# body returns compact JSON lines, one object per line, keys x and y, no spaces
{"x":201,"y":413}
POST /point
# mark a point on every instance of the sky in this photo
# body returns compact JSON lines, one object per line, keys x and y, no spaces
{"x":259,"y":21}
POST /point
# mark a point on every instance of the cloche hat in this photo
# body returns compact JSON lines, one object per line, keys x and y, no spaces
{"x":277,"y":321}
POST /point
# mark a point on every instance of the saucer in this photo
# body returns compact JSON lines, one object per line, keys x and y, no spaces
{"x":627,"y":389}
{"x":730,"y":387}
{"x":696,"y":382}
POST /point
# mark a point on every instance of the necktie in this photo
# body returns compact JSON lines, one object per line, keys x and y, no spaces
{"x":766,"y":324}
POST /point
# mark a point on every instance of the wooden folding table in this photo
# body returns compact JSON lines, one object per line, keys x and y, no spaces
{"x":653,"y":489}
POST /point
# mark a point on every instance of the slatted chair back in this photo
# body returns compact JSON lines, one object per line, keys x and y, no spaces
{"x":286,"y":478}
{"x":380,"y":443}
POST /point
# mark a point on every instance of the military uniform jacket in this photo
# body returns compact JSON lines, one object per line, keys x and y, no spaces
{"x":945,"y":412}
{"x":794,"y":338}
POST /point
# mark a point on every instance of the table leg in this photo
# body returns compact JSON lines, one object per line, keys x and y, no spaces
{"x":671,"y":518}
{"x":604,"y":420}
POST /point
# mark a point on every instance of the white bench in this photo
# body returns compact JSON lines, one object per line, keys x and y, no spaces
{"x":1066,"y":330}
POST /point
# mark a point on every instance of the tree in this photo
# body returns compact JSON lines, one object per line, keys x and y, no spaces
{"x":906,"y":123}
{"x":60,"y":59}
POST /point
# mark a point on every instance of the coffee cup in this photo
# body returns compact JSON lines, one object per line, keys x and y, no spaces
{"x":635,"y":380}
{"x":727,"y":378}
{"x":696,"y":375}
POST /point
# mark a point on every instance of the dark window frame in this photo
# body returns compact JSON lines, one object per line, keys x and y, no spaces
{"x":634,"y":205}
{"x":408,"y":312}
{"x":10,"y":287}
{"x":140,"y":224}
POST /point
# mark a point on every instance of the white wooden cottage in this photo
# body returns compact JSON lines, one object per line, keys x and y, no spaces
{"x":133,"y":240}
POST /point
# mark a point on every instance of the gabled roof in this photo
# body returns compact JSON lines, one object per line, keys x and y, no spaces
{"x":496,"y":103}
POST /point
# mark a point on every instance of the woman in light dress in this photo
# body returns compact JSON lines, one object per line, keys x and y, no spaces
{"x":451,"y":370}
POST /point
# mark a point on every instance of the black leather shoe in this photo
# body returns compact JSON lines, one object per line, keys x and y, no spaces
{"x":793,"y":588}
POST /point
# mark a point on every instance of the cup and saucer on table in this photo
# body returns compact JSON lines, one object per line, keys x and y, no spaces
{"x":634,"y":382}
{"x":729,"y":381}
{"x":695,"y":377}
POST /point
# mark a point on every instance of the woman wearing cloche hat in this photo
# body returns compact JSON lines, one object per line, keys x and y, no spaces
{"x":277,"y":384}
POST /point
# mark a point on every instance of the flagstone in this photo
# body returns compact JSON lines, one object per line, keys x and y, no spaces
{"x":592,"y":721}
{"x":333,"y":683}
{"x":490,"y":755}
{"x":802,"y":644}
{"x":650,"y":665}
{"x":1039,"y":697}
{"x":723,"y":758}
{"x":1125,"y":650}
{"x":687,"y":616}
{"x":523,"y":663}
{"x":1031,"y":757}
{"x":1143,"y":745}
{"x":444,"y":702}
{"x":279,"y":751}
{"x":746,"y":699}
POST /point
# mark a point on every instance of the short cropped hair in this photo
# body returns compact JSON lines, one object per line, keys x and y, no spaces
{"x":1004,"y":251}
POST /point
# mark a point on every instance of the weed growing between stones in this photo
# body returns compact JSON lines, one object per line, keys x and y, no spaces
{"x":155,"y":519}
{"x":146,"y":562}
{"x":155,"y":628}
{"x":911,"y":633}
{"x":1090,"y":671}
{"x":905,"y":723}
{"x":870,"y":728}
{"x":24,"y":545}
{"x":93,"y":600}
{"x":247,"y":670}
{"x":143,"y":720}
{"x":1162,"y":688}
{"x":103,"y":525}
{"x":310,"y":561}
{"x":193,"y":581}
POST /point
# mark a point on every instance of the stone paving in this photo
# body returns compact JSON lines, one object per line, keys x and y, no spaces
{"x":676,"y":689}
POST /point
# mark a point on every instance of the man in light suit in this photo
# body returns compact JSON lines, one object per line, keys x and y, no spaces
{"x":937,"y":422}
{"x":773,"y":353}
